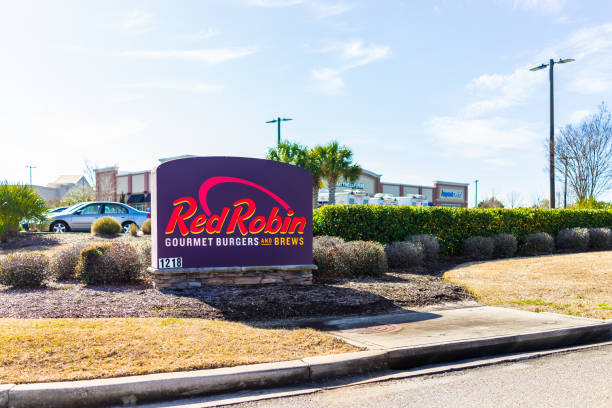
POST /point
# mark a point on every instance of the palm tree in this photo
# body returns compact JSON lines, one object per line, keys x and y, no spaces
{"x":294,"y":153}
{"x":336,"y":163}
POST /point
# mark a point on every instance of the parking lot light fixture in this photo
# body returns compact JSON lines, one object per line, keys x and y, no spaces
{"x":278,"y":123}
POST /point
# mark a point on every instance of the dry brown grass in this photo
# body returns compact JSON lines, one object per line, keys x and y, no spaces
{"x":39,"y":350}
{"x":577,"y":284}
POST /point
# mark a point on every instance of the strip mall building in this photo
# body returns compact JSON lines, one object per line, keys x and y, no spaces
{"x":135,"y":188}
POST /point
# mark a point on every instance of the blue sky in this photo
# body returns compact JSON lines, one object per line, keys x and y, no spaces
{"x":419,"y":90}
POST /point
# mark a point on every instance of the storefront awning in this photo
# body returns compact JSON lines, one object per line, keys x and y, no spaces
{"x":136,"y":198}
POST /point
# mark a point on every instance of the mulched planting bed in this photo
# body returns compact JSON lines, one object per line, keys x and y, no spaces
{"x":412,"y":288}
{"x":344,"y":297}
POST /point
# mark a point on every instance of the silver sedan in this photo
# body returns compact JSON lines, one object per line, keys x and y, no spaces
{"x":80,"y":217}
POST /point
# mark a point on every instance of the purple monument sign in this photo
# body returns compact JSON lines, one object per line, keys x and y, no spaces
{"x":211,"y":213}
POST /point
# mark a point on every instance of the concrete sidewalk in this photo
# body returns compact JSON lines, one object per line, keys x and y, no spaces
{"x":393,"y":341}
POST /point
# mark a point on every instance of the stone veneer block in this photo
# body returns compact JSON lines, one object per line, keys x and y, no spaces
{"x":188,"y":278}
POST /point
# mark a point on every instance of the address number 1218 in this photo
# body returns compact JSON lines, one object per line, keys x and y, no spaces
{"x":166,"y":263}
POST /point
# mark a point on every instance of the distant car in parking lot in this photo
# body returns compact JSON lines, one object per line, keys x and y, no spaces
{"x":80,"y":217}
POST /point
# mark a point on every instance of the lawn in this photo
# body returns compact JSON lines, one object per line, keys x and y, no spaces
{"x":40,"y":350}
{"x":576,"y":284}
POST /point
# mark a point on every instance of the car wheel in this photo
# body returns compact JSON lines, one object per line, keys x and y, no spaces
{"x":59,"y":227}
{"x":125,"y":227}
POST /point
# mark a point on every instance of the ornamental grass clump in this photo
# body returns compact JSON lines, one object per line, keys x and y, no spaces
{"x":103,"y":264}
{"x":106,"y":226}
{"x":359,"y":259}
{"x":24,"y":270}
{"x":401,"y":254}
{"x":134,"y":230}
{"x":600,"y":238}
{"x":64,"y":262}
{"x":504,"y":245}
{"x":573,"y":239}
{"x":146,"y":227}
{"x":538,"y":243}
{"x":431,"y":247}
{"x":479,"y":247}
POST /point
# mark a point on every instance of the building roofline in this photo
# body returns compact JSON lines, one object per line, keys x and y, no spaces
{"x":450,"y":183}
{"x":107,"y":168}
{"x":370,"y":173}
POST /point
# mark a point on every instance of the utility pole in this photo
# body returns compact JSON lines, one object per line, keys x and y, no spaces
{"x":30,"y":167}
{"x":476,"y":194}
{"x":278,"y":127}
{"x":551,"y":144}
{"x":565,"y":183}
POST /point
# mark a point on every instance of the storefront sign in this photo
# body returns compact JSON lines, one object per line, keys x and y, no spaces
{"x":230,"y":211}
{"x":350,"y":185}
{"x":451,"y":194}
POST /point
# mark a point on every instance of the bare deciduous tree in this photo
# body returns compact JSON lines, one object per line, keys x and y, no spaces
{"x":585,"y":152}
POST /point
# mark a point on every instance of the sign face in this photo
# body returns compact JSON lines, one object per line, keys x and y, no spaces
{"x":350,"y":185}
{"x":451,"y":193}
{"x":230,"y":211}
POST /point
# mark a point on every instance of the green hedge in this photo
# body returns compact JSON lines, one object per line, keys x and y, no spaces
{"x":451,"y":225}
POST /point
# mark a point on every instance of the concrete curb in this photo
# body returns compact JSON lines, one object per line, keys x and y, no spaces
{"x":137,"y":389}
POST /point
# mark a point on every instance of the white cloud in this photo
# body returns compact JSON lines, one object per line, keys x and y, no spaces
{"x":352,"y":55}
{"x":200,"y":35}
{"x":138,"y":19}
{"x":481,"y":138}
{"x":275,"y":3}
{"x":197,"y":87}
{"x":209,"y":56}
{"x":499,"y":91}
{"x":321,"y":9}
{"x":579,"y":115}
{"x":543,"y":6}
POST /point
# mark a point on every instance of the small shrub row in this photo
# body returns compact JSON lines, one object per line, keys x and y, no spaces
{"x":118,"y":262}
{"x":452,"y":226}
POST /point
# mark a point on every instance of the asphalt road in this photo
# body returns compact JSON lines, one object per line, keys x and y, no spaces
{"x":575,"y":379}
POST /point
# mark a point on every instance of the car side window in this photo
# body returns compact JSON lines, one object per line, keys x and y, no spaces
{"x":114,"y":209}
{"x":92,"y":209}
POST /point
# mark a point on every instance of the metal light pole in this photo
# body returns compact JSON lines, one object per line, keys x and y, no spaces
{"x":551,"y":145}
{"x":278,"y":122}
{"x":565,"y":183}
{"x":476,"y":194}
{"x":30,"y":167}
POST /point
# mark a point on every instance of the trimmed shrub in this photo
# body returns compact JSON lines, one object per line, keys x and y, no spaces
{"x":326,"y":241}
{"x":18,"y":202}
{"x":404,"y":254}
{"x":348,"y":259}
{"x":146,"y":227}
{"x":323,"y":249}
{"x":504,"y":245}
{"x":134,"y":230}
{"x":600,"y":238}
{"x":479,"y":247}
{"x":106,"y":226}
{"x":145,"y":253}
{"x":539,"y":242}
{"x":24,"y":270}
{"x":430,"y":244}
{"x":452,"y":226}
{"x":575,"y":239}
{"x":64,"y":262}
{"x":118,"y":262}
{"x":359,"y":258}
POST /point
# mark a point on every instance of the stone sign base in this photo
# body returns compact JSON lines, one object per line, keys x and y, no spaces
{"x":233,"y":275}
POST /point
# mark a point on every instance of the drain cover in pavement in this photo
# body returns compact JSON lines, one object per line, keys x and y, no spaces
{"x":384,"y":328}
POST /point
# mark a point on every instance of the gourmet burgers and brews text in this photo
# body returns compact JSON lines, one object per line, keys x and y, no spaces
{"x":222,"y":211}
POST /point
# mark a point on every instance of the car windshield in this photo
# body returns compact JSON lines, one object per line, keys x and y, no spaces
{"x":73,"y":207}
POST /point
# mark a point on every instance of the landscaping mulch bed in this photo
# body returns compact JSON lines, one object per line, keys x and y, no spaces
{"x":416,"y":287}
{"x":344,"y":297}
